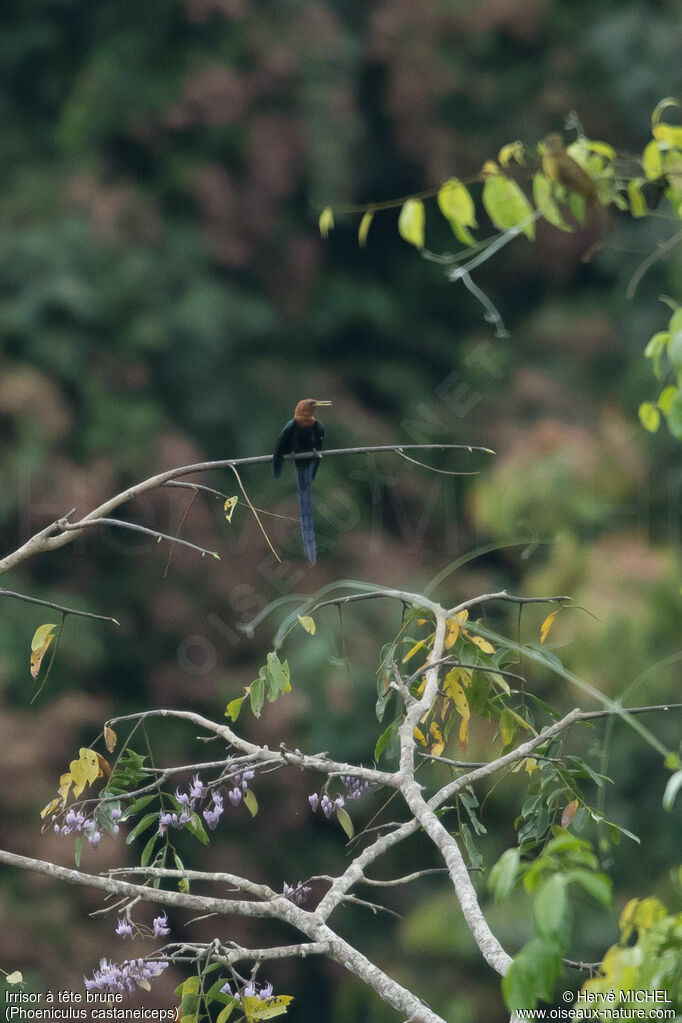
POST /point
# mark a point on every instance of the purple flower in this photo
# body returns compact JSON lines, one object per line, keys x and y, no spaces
{"x":212,"y":816}
{"x":296,"y":893}
{"x":314,"y":801}
{"x":94,"y":838}
{"x":160,"y":924}
{"x":197,"y":787}
{"x":182,"y":797}
{"x":235,"y":796}
{"x":226,"y":989}
{"x":166,"y":821}
{"x":123,"y":928}
{"x":124,"y":978}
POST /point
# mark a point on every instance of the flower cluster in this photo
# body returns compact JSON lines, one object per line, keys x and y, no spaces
{"x":355,"y":787}
{"x":124,"y":927}
{"x":112,"y":978}
{"x":297,"y":893}
{"x":214,"y":808}
{"x":240,"y":783}
{"x":326,"y":805}
{"x":76,"y":822}
{"x":251,"y":990}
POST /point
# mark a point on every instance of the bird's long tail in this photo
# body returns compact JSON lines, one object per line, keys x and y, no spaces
{"x":304,"y":480}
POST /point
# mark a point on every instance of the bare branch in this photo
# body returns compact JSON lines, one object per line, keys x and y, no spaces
{"x":57,"y":607}
{"x":122,"y":524}
{"x":46,"y":540}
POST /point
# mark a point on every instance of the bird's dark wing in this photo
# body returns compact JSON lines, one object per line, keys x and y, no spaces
{"x":285,"y":443}
{"x":318,"y":442}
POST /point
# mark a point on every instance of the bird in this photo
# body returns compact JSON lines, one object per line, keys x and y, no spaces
{"x":562,"y":169}
{"x":303,"y":433}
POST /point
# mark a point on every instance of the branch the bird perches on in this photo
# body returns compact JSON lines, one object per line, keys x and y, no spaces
{"x":63,"y":531}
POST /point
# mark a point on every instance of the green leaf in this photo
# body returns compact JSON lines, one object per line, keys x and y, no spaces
{"x":598,"y":885}
{"x":197,"y":829}
{"x":475,"y":858}
{"x":552,"y":917}
{"x":147,"y":851}
{"x":233,"y":708}
{"x":457,"y":206}
{"x":137,"y":805}
{"x":411,"y":222}
{"x":250,"y":802}
{"x":649,"y":416}
{"x":674,"y":416}
{"x":142,"y":825}
{"x":345,"y":821}
{"x":656,"y":348}
{"x":665,"y":399}
{"x":225,"y":1013}
{"x":504,"y":874}
{"x":542,"y":197}
{"x":278,"y":675}
{"x":384,"y":739}
{"x":214,"y":994}
{"x":506,"y":204}
{"x":78,"y":850}
{"x":257,"y":696}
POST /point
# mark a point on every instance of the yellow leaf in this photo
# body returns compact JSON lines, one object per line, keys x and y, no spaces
{"x":65,"y":781}
{"x":413,"y":650}
{"x":638,"y":206}
{"x":307,"y":623}
{"x":669,"y":134}
{"x":53,"y":805}
{"x":651,"y":161}
{"x":110,"y":739}
{"x":453,"y":627}
{"x":14,"y":978}
{"x":506,"y":726}
{"x":435,"y":732}
{"x":229,"y":507}
{"x":506,"y":204}
{"x":530,"y":765}
{"x":482,"y":644}
{"x":437,"y":748}
{"x":512,"y":151}
{"x":569,"y":813}
{"x":365,"y":225}
{"x":78,"y":775}
{"x":411,"y":222}
{"x":255,"y":1008}
{"x":42,"y":638}
{"x":464,"y":733}
{"x":91,"y":763}
{"x":603,"y":148}
{"x":489,"y":167}
{"x":419,"y":736}
{"x":326,"y":221}
{"x":542,"y":197}
{"x":547,"y":625}
{"x":457,"y":206}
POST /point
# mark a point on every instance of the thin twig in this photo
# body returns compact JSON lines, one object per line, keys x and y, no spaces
{"x":121,"y":523}
{"x":179,"y":530}
{"x":659,"y":253}
{"x":255,"y":514}
{"x":57,"y":607}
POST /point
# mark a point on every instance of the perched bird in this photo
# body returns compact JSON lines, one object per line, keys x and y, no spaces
{"x":564,"y":170}
{"x":302,"y":433}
